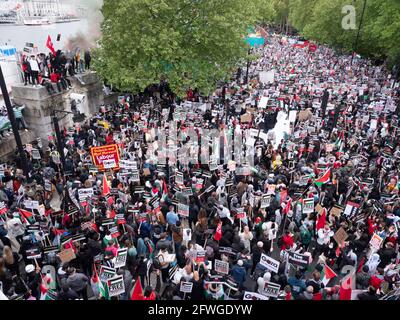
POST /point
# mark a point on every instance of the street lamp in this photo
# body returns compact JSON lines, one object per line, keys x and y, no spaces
{"x":10,"y":111}
{"x":358,"y":32}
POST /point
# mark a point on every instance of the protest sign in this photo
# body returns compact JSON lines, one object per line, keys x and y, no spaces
{"x":308,"y":205}
{"x":375,"y":242}
{"x":67,"y":255}
{"x":183,"y":210}
{"x":186,"y":287}
{"x":221,"y":266}
{"x":269,"y":263}
{"x":108,"y":154}
{"x":106,"y":273}
{"x":116,"y":286}
{"x":265,"y":201}
{"x":187,"y":234}
{"x":271,"y":289}
{"x":297,"y":259}
{"x":253,"y":296}
{"x":340,"y":236}
{"x":120,"y":259}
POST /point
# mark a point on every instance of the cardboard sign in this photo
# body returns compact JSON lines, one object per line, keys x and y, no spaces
{"x":120,"y":260}
{"x":116,"y":286}
{"x":308,"y":205}
{"x":319,"y":208}
{"x":108,"y":154}
{"x":186,"y":287}
{"x":253,"y":296}
{"x":340,"y":236}
{"x":375,"y":242}
{"x":272,"y":289}
{"x":297,"y":259}
{"x":336,"y":210}
{"x":67,"y":255}
{"x":269,"y":263}
{"x":221,"y":266}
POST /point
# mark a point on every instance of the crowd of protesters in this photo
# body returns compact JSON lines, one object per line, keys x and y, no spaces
{"x":315,"y":216}
{"x":52,"y":70}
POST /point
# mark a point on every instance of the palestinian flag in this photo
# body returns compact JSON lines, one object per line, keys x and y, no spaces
{"x":95,"y":281}
{"x":27,"y":217}
{"x":287,"y":207}
{"x":324,"y":179}
{"x":327,"y":274}
{"x":340,"y":140}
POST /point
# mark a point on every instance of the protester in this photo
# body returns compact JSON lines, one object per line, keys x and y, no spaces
{"x":294,"y":193}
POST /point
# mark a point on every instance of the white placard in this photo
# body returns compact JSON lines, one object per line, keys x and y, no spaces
{"x":270,"y":263}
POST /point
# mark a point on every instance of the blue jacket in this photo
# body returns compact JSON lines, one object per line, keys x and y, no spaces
{"x":239,"y":274}
{"x":298,"y":286}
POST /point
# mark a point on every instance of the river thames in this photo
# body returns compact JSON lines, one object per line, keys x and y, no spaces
{"x":18,"y":35}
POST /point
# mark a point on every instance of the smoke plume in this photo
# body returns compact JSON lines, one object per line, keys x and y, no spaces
{"x":94,"y":18}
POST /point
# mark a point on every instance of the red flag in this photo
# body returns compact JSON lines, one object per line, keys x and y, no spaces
{"x":49,"y":44}
{"x":112,"y":214}
{"x":106,"y":187}
{"x":288,"y":206}
{"x":218,"y":233}
{"x":137,"y":293}
{"x":345,"y":289}
{"x":321,"y":220}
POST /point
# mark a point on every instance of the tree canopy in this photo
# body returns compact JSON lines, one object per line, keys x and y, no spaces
{"x":321,"y":20}
{"x":191,"y":43}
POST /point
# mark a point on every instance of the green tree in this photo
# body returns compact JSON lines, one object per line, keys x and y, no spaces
{"x":191,"y":43}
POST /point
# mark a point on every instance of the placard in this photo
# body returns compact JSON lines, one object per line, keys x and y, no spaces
{"x":85,"y":193}
{"x":375,"y":242}
{"x":120,"y":259}
{"x":105,"y":153}
{"x":297,"y":259}
{"x":116,"y":286}
{"x":187,"y":234}
{"x":308,"y":205}
{"x":340,"y":236}
{"x":265,"y":201}
{"x":106,"y":273}
{"x":183,"y":210}
{"x":253,"y":296}
{"x":271,"y":289}
{"x":269,"y":263}
{"x":186,"y":287}
{"x":67,"y":255}
{"x":221,"y":266}
{"x":36,"y":154}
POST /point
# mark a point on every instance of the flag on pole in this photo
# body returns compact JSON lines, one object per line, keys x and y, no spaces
{"x":106,"y":187}
{"x":137,"y":293}
{"x":49,"y":44}
{"x":27,"y":217}
{"x":327,"y":275}
{"x":218,"y":232}
{"x":324,"y":179}
{"x":287,"y":207}
{"x":95,"y":281}
{"x":321,"y":220}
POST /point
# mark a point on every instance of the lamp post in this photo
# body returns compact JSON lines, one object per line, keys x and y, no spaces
{"x":10,"y":111}
{"x":358,"y":32}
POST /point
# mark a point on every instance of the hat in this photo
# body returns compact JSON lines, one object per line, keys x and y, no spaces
{"x":61,"y":272}
{"x":29,"y":268}
{"x":260,"y":244}
{"x":240,"y":263}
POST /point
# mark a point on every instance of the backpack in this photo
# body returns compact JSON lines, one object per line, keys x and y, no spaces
{"x":156,"y":263}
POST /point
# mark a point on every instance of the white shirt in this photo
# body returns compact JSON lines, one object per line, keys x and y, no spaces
{"x":324,"y":236}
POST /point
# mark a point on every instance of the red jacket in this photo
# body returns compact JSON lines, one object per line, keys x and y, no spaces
{"x":287,"y":242}
{"x":54,"y":77}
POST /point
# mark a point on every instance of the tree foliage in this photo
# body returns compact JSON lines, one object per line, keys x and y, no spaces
{"x":191,"y":43}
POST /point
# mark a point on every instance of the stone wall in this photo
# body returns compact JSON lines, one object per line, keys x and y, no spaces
{"x":40,"y":104}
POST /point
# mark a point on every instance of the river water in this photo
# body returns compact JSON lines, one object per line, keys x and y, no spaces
{"x":19,"y":35}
